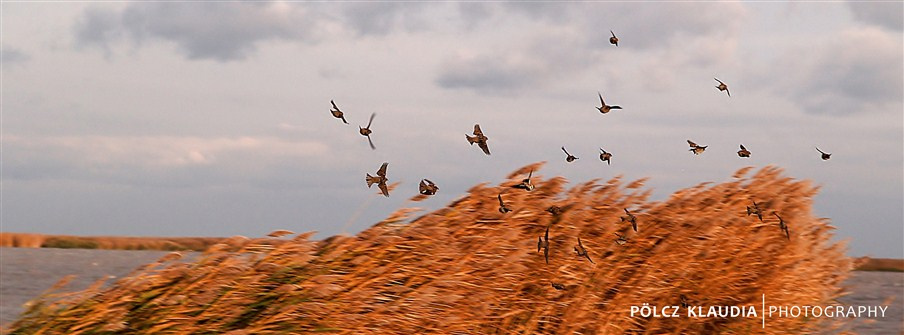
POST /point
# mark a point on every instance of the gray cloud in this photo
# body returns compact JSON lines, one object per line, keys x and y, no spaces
{"x":558,"y":41}
{"x":491,"y":74}
{"x":836,"y":79}
{"x":13,"y":56}
{"x":885,"y":14}
{"x":219,"y":31}
{"x":381,"y":18}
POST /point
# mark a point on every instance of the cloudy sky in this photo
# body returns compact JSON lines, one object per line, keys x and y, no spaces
{"x":211,"y":119}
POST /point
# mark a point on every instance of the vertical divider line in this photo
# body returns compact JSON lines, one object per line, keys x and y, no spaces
{"x":764,"y":310}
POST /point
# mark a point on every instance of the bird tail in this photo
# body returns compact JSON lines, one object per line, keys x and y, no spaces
{"x":370,"y":180}
{"x":471,"y":139}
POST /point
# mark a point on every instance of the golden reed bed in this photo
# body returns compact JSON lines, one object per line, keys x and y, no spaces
{"x":468,"y":269}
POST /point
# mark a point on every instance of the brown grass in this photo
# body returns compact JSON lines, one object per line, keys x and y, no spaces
{"x":468,"y":269}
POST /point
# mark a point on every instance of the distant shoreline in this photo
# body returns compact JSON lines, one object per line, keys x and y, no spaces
{"x":30,"y":240}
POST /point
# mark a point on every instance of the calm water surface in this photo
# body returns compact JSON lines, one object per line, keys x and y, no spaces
{"x":26,"y":273}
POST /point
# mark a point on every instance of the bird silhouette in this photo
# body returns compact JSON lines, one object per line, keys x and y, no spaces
{"x":630,"y":218}
{"x":380,"y":179}
{"x":621,"y":240}
{"x":337,"y":113}
{"x":570,"y":158}
{"x":543,"y":243}
{"x":613,"y":40}
{"x":554,"y":210}
{"x":581,"y":251}
{"x":755,"y":210}
{"x":783,"y":226}
{"x":502,"y":208}
{"x":604,"y":108}
{"x":479,"y":138}
{"x":743,"y":152}
{"x":696,"y":149}
{"x":525,"y":183}
{"x":558,"y":286}
{"x":684,"y":302}
{"x":605,"y":156}
{"x":825,"y":156}
{"x":366,"y":131}
{"x":723,"y":87}
{"x":427,"y":187}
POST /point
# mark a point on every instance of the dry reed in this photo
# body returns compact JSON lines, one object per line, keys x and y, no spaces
{"x":468,"y":269}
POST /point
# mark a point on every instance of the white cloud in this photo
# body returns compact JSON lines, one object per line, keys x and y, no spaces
{"x":134,"y":157}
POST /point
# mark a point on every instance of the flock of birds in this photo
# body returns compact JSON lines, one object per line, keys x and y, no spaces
{"x":427,"y":187}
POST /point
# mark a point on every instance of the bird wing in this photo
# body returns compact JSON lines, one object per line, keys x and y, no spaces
{"x":603,"y":103}
{"x":483,"y":146}
{"x":422,"y":186}
{"x":691,"y":143}
{"x":742,"y":147}
{"x":580,"y":245}
{"x":529,"y":174}
{"x":546,"y":252}
{"x":372,"y":147}
{"x":727,"y":91}
{"x":566,"y":151}
{"x":586,"y":254}
{"x":820,"y":151}
{"x":384,"y":189}
{"x":539,"y":243}
{"x":382,"y":171}
{"x":371,"y":120}
{"x":334,"y":105}
{"x":546,"y":235}
{"x":429,"y":182}
{"x":720,"y":82}
{"x":615,"y":107}
{"x":500,"y":200}
{"x":477,"y":130}
{"x":343,"y":119}
{"x":613,"y":33}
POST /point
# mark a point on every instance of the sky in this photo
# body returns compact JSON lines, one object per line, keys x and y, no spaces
{"x":212,"y":118}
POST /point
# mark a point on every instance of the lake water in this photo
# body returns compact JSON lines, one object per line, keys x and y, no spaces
{"x":26,"y":273}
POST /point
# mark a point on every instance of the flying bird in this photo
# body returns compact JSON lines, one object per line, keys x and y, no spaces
{"x":543,"y":243}
{"x":427,"y":187}
{"x":502,"y":208}
{"x":581,"y":251}
{"x":558,"y":286}
{"x":479,"y":138}
{"x":366,"y":131}
{"x":825,"y":156}
{"x":604,"y":108}
{"x":570,"y":158}
{"x":337,"y":113}
{"x":755,"y":210}
{"x":525,"y":183}
{"x":621,"y":240}
{"x":697,"y":149}
{"x":783,"y":225}
{"x":605,"y":156}
{"x":380,"y":179}
{"x":723,"y":87}
{"x":554,"y":210}
{"x":613,"y":39}
{"x":743,"y":152}
{"x":684,"y":302}
{"x":630,"y":218}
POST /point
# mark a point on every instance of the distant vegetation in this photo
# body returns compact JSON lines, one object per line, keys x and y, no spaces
{"x":469,"y":269}
{"x":107,"y":242}
{"x":879,"y":264}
